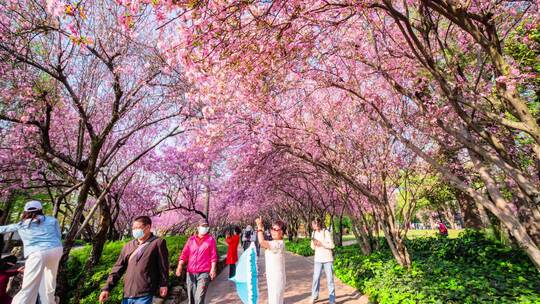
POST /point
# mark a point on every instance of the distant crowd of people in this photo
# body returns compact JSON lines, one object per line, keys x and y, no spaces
{"x":143,"y":263}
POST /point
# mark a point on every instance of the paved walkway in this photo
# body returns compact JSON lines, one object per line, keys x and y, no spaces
{"x":298,"y":289}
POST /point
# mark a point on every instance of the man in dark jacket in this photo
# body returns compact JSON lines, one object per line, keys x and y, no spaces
{"x":145,"y":261}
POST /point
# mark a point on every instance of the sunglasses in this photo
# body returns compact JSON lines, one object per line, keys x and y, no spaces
{"x":276,"y":229}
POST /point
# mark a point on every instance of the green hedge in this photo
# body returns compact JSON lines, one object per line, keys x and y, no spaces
{"x":300,"y":246}
{"x":469,"y":269}
{"x":94,"y":282}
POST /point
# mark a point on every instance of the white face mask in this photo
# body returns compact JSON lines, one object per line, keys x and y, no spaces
{"x":203,"y":230}
{"x":138,"y":233}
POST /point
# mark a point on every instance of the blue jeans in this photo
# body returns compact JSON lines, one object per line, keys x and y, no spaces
{"x":138,"y":300}
{"x":329,"y":270}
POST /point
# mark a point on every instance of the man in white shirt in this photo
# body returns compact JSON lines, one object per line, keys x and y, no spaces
{"x":323,"y":244}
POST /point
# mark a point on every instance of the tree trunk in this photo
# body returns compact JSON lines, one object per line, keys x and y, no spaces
{"x":100,"y":238}
{"x":335,"y":235}
{"x":113,"y":234}
{"x":501,"y":209}
{"x":97,"y":248}
{"x":308,"y":223}
{"x":377,"y":232}
{"x":62,"y":281}
{"x":530,"y":216}
{"x":7,"y":208}
{"x":10,"y":236}
{"x":361,"y":238}
{"x":340,"y":232}
{"x":396,"y":244}
{"x":366,"y":228}
{"x":207,"y":201}
{"x":5,"y":215}
{"x":391,"y":230}
{"x":498,"y":207}
{"x":483,"y":215}
{"x":448,"y":216}
{"x":471,"y":215}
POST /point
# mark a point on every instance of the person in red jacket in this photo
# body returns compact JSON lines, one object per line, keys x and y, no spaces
{"x":7,"y":271}
{"x":443,"y":231}
{"x":232,"y":251}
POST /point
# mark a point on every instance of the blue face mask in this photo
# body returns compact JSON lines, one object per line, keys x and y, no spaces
{"x":138,"y":233}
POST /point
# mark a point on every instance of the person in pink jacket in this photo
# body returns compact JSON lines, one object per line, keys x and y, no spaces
{"x":200,"y":255}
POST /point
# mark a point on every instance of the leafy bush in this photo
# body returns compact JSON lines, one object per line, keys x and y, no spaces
{"x":222,"y":248}
{"x":300,"y":246}
{"x":90,"y":290}
{"x":469,"y":269}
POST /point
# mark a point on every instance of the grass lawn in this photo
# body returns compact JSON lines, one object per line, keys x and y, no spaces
{"x":412,"y":234}
{"x":349,"y":237}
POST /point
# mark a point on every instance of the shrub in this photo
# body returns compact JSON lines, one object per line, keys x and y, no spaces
{"x":90,"y":290}
{"x":469,"y":269}
{"x":300,"y":246}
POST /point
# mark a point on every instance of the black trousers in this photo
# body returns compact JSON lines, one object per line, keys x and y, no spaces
{"x":232,"y":270}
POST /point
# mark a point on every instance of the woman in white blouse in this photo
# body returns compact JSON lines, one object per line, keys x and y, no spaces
{"x":275,"y":260}
{"x":323,"y":244}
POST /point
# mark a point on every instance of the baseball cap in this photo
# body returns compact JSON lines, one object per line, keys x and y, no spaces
{"x":33,"y":206}
{"x":202,"y":222}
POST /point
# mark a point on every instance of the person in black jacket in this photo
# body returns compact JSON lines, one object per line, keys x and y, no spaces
{"x":145,"y":262}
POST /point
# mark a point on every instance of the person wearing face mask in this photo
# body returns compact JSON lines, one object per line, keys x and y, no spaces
{"x":200,"y":255}
{"x":145,"y":262}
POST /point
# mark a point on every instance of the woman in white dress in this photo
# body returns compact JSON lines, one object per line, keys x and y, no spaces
{"x":274,"y":259}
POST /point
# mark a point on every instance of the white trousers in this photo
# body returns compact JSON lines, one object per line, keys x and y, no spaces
{"x":39,"y":277}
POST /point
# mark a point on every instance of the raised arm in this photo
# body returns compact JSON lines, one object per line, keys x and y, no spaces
{"x":9,"y":228}
{"x":260,"y":234}
{"x":264,"y":243}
